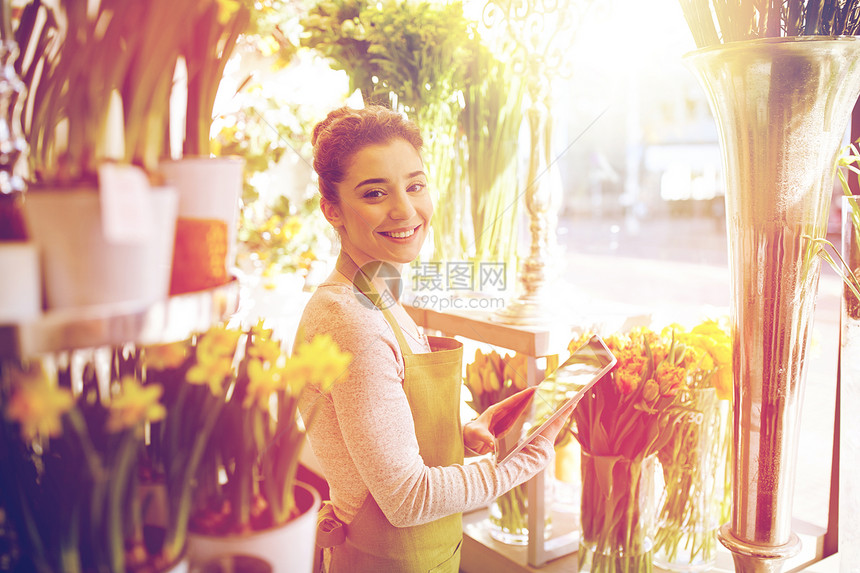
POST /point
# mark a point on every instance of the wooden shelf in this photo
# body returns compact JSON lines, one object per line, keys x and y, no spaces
{"x":169,"y":320}
{"x":481,"y":326}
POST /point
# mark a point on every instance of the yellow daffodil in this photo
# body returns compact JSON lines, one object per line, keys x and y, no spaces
{"x":319,"y":362}
{"x":37,"y":404}
{"x":214,"y":358}
{"x":134,"y":404}
{"x":260,"y":331}
{"x":263,"y":381}
{"x":166,"y":356}
{"x":266,"y":349}
{"x":210,"y":369}
{"x":723,"y":381}
{"x":218,"y":341}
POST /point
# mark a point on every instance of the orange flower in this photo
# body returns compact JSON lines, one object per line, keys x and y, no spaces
{"x":670,"y":378}
{"x":516,"y":370}
{"x":627,"y":380}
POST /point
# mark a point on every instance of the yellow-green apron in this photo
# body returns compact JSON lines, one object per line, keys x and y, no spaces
{"x":432,"y":384}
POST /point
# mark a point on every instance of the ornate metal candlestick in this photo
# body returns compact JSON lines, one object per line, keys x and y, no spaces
{"x":542,"y":32}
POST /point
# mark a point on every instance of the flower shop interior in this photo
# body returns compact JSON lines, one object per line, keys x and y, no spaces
{"x":671,"y":178}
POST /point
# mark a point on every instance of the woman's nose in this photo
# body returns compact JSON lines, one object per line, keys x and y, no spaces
{"x":401,"y":207}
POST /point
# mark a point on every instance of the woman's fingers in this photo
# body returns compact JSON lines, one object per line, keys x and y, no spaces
{"x":506,"y":412}
{"x":477,"y":437}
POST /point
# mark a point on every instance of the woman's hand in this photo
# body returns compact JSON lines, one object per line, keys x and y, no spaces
{"x":480,"y":434}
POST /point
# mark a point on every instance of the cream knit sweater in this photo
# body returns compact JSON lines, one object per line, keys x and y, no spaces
{"x":363,"y":435}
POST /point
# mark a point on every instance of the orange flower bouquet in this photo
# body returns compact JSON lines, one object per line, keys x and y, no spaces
{"x":626,"y":419}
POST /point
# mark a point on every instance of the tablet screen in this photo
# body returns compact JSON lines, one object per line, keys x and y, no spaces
{"x":569,"y":382}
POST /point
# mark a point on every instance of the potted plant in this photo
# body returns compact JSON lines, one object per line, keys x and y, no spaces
{"x":248,"y":500}
{"x":209,"y":187}
{"x":193,"y":374}
{"x":97,"y":76}
{"x":69,"y":470}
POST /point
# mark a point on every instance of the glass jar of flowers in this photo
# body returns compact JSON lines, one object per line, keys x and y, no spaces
{"x":621,"y":424}
{"x":491,"y":378}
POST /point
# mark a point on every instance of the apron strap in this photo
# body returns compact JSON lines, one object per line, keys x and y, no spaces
{"x":347,"y":267}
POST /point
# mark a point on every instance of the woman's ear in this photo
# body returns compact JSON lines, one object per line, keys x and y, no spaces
{"x":331,"y":211}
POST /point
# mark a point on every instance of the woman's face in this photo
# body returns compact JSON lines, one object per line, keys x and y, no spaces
{"x":385,"y":205}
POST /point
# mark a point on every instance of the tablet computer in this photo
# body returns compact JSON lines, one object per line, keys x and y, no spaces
{"x":567,"y":384}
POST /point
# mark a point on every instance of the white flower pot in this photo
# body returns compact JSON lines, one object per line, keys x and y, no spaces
{"x":20,"y":282}
{"x":288,"y":548}
{"x":209,"y":188}
{"x":81,"y":267}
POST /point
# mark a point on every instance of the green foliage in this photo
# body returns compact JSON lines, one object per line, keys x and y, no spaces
{"x":335,"y":30}
{"x":283,"y":236}
{"x":414,"y":50}
{"x":491,"y":119}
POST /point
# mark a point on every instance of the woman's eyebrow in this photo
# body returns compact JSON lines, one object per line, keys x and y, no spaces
{"x":372,"y":181}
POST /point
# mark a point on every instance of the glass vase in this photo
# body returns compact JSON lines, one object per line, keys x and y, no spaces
{"x":508,"y":521}
{"x":849,"y":395}
{"x":782,"y":107}
{"x":695,"y":491}
{"x":617,"y":514}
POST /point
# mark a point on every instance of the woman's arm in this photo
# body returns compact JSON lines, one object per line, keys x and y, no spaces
{"x":378,"y":431}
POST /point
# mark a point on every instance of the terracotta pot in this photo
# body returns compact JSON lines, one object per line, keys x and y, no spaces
{"x":288,"y":548}
{"x":81,"y":266}
{"x":210,"y":189}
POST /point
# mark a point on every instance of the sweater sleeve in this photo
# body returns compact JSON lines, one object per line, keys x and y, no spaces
{"x":363,"y":433}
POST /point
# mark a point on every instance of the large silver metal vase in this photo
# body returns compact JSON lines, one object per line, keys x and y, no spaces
{"x":782,"y":106}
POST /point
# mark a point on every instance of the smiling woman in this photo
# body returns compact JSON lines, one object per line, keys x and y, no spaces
{"x":384,"y":206}
{"x":388,"y":437}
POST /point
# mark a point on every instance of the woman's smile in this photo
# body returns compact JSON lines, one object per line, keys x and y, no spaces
{"x":401,"y":234}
